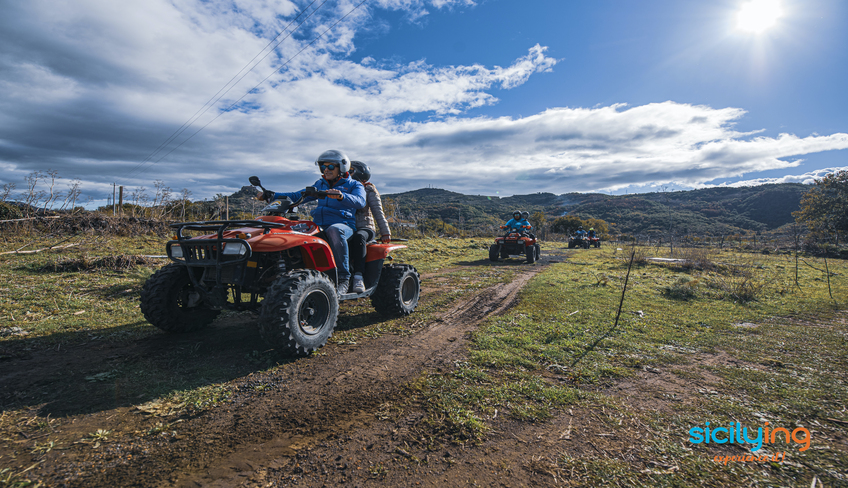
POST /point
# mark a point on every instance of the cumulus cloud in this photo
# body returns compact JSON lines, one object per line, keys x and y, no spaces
{"x":92,"y":90}
{"x":808,"y":178}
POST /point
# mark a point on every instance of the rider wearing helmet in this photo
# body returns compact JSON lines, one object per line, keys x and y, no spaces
{"x":365,"y":217}
{"x":335,"y":215}
{"x":514,"y":223}
{"x":591,"y":232}
{"x":580,"y":232}
{"x":525,"y":215}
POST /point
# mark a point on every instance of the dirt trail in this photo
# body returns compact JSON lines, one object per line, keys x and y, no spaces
{"x":273,"y":418}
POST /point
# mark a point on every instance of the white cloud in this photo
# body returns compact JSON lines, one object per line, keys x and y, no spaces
{"x":808,"y":178}
{"x":92,"y":89}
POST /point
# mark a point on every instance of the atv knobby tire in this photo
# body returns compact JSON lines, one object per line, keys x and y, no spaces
{"x":299,"y":311}
{"x":530,"y":252}
{"x":538,"y":251}
{"x":493,"y":252}
{"x":398,"y":290}
{"x":170,"y":301}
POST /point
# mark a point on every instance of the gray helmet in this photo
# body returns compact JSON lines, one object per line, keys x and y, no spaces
{"x":516,"y":212}
{"x":525,"y":215}
{"x":360,"y":171}
{"x":334,"y":157}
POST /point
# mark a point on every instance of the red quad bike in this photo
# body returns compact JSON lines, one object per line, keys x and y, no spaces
{"x":515,"y":243}
{"x":276,"y":257}
{"x":594,"y":241}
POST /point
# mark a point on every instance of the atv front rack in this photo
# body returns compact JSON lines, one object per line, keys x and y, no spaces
{"x":214,"y":253}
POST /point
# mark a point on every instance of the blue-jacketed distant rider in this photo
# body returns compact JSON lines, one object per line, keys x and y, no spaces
{"x":580,"y":232}
{"x":516,"y":223}
{"x":336,"y":214}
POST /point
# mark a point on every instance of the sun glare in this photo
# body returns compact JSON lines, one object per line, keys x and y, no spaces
{"x":758,"y":15}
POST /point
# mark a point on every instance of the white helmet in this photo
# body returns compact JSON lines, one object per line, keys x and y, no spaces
{"x":334,"y":157}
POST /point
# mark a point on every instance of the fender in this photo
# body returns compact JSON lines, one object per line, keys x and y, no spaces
{"x":380,"y":251}
{"x":316,"y":252}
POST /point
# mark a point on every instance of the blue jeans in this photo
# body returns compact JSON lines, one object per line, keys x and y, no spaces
{"x":337,"y":236}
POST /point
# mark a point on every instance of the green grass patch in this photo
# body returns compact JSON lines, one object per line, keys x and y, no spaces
{"x":722,"y":307}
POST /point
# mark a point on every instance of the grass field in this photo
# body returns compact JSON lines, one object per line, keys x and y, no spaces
{"x":770,"y":349}
{"x":759,"y":345}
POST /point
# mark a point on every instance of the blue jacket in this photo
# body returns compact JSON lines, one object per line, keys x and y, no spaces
{"x":517,"y":224}
{"x":329,"y":210}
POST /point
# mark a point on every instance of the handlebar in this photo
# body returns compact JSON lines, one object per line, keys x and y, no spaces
{"x":311,"y":191}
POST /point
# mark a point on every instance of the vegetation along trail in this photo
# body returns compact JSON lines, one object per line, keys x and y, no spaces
{"x":497,"y":379}
{"x":269,"y":417}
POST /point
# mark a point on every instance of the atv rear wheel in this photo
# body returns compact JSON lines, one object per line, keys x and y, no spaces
{"x":493,"y":252}
{"x":530,"y":252}
{"x":398,"y":290}
{"x":170,"y":301}
{"x":299,"y":311}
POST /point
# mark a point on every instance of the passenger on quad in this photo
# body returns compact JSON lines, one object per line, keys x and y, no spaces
{"x":335,"y":215}
{"x":525,"y":216}
{"x":365,"y":217}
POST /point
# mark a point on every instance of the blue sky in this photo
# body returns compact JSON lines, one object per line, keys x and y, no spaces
{"x":479,"y":97}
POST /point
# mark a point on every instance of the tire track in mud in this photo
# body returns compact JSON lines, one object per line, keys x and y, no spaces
{"x":274,"y":415}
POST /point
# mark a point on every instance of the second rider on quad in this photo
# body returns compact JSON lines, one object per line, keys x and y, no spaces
{"x":365,"y":217}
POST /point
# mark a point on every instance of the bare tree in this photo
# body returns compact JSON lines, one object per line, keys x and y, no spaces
{"x":52,"y":174}
{"x":31,"y":194}
{"x":184,"y":199}
{"x":138,"y":196}
{"x":160,"y":199}
{"x":71,"y":196}
{"x":7,"y":190}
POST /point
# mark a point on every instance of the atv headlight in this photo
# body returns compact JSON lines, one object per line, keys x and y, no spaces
{"x":234,"y":248}
{"x":176,"y":251}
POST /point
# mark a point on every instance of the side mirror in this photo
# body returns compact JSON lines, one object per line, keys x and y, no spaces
{"x":254,"y":180}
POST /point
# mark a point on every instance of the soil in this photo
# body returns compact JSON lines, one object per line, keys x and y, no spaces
{"x":340,"y":417}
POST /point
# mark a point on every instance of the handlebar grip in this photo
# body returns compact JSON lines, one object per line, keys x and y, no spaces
{"x":311,"y":191}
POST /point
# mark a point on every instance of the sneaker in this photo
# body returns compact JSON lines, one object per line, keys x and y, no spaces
{"x":342,"y":289}
{"x":358,"y":285}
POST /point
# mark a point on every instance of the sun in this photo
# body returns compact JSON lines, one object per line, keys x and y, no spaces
{"x":758,"y":15}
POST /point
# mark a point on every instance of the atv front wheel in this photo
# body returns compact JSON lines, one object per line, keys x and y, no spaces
{"x":493,"y":252}
{"x":538,"y":251}
{"x":398,"y":290}
{"x":170,"y":301}
{"x":299,"y":311}
{"x":530,"y":252}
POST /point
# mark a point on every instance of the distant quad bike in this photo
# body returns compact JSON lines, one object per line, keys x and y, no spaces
{"x":578,"y":240}
{"x":594,"y":241}
{"x":515,"y":243}
{"x":279,"y":258}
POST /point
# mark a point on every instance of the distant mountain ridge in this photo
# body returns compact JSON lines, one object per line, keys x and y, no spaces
{"x":709,"y":211}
